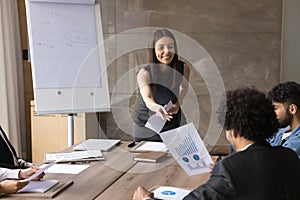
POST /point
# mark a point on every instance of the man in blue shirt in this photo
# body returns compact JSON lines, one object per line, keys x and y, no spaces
{"x":286,"y":101}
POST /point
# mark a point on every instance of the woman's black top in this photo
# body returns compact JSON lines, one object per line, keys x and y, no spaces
{"x":164,"y":89}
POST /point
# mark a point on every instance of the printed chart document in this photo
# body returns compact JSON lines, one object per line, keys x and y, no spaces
{"x":155,"y":122}
{"x":170,"y":193}
{"x":41,"y":186}
{"x":71,"y":156}
{"x":187,"y":148}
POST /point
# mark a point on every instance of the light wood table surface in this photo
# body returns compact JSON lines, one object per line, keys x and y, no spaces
{"x":150,"y":175}
{"x":118,"y":176}
{"x":94,"y":180}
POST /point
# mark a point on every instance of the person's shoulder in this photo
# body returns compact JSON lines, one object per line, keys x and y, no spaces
{"x":143,"y":68}
{"x":285,"y":151}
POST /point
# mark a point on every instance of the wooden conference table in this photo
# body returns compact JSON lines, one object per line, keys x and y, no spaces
{"x":118,"y":176}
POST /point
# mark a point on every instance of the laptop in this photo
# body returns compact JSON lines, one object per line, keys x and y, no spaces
{"x":97,"y":144}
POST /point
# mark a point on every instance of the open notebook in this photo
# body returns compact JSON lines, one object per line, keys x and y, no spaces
{"x":38,"y":186}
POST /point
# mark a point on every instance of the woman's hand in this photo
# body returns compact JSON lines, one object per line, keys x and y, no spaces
{"x":174,"y":109}
{"x":162,"y":113}
{"x":12,"y":186}
{"x":25,"y":173}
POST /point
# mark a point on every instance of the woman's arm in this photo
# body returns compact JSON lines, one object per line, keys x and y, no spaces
{"x":143,"y":79}
{"x":183,"y":89}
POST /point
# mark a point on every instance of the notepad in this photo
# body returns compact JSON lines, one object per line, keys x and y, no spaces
{"x":38,"y":186}
{"x":153,"y":156}
{"x":96,"y":144}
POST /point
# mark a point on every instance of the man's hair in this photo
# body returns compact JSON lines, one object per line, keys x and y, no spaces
{"x":249,"y":113}
{"x":286,"y":93}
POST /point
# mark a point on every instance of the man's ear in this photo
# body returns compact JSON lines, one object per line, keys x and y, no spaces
{"x":293,"y":109}
{"x":234,"y":133}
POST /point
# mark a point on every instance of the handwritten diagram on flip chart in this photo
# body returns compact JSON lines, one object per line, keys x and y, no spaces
{"x":67,"y":58}
{"x":186,"y":146}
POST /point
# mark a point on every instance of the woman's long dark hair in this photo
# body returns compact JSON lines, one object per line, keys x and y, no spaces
{"x":153,"y":59}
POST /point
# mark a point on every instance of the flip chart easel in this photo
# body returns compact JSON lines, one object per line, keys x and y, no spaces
{"x":68,"y":60}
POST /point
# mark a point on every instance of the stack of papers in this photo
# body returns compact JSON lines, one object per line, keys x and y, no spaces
{"x":74,"y":156}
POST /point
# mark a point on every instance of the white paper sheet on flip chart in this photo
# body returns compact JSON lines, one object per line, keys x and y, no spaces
{"x":186,"y":146}
{"x":155,"y":122}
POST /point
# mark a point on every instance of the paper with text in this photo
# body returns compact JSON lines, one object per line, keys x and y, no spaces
{"x":186,"y":146}
{"x":77,"y":155}
{"x":155,"y":122}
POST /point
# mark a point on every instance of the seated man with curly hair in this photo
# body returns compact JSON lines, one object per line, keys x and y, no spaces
{"x":256,"y":170}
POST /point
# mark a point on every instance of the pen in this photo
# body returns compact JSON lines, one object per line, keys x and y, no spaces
{"x":132,"y":144}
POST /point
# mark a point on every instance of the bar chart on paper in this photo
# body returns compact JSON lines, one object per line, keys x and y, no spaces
{"x":186,"y":146}
{"x":190,"y":154}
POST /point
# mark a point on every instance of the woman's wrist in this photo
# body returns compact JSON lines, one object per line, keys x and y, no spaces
{"x":178,"y":103}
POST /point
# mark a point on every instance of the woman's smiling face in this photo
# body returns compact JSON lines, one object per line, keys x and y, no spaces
{"x":164,"y":50}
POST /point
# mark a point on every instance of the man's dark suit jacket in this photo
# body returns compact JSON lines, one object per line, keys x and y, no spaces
{"x":6,"y":157}
{"x":260,"y":172}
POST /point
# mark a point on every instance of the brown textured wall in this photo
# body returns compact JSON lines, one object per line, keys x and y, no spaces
{"x":243,"y":38}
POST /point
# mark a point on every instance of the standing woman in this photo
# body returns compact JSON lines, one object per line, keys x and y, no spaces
{"x":165,"y":78}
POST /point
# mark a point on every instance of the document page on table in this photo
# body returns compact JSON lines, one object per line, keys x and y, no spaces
{"x":67,"y":169}
{"x":186,"y":146}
